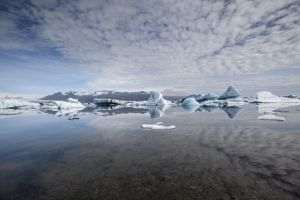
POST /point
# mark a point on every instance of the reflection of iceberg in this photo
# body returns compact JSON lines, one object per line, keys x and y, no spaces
{"x":231,"y":111}
{"x":4,"y":113}
{"x":274,"y":107}
{"x":209,"y":108}
{"x":157,"y":111}
{"x":271,"y":117}
{"x":158,"y":126}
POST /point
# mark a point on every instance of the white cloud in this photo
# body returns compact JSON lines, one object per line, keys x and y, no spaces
{"x":172,"y":43}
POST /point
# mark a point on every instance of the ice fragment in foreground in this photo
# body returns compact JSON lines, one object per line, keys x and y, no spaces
{"x":158,"y":126}
{"x":271,"y":117}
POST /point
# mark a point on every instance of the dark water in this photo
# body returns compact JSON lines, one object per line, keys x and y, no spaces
{"x":210,"y":155}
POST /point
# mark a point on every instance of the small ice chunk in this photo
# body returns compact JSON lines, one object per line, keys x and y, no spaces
{"x":271,"y":117}
{"x":158,"y":126}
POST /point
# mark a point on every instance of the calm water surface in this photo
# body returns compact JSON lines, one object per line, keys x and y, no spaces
{"x":210,"y":155}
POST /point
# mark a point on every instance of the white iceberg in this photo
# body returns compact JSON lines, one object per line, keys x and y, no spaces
{"x":156,"y":99}
{"x":158,"y":126}
{"x":268,"y":97}
{"x":271,"y":117}
{"x":231,"y":92}
{"x":15,"y":103}
{"x":71,"y":104}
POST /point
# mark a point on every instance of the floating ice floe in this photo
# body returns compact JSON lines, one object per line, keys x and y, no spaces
{"x":271,"y":117}
{"x":158,"y":126}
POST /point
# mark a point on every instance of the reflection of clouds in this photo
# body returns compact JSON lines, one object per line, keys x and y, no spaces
{"x":250,"y":161}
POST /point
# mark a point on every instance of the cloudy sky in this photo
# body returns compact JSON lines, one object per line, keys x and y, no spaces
{"x":190,"y":45}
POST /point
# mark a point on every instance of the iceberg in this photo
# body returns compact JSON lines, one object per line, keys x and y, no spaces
{"x":156,"y":99}
{"x":158,"y":126}
{"x":271,"y":117}
{"x":190,"y":101}
{"x":208,"y":96}
{"x":71,"y":104}
{"x":231,"y":92}
{"x":190,"y":104}
{"x":16,"y":103}
{"x":268,"y":97}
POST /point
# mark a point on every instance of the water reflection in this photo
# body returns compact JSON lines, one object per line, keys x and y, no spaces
{"x":113,"y":158}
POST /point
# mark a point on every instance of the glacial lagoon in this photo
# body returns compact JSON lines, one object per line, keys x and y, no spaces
{"x":212,"y":153}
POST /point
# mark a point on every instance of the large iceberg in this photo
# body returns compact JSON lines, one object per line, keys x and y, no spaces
{"x":16,"y":103}
{"x":157,"y":99}
{"x":268,"y":97}
{"x":231,"y":92}
{"x":62,"y":105}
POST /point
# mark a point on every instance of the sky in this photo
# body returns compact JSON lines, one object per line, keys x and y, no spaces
{"x":173,"y":45}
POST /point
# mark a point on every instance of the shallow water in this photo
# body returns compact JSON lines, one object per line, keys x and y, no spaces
{"x":108,"y":155}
